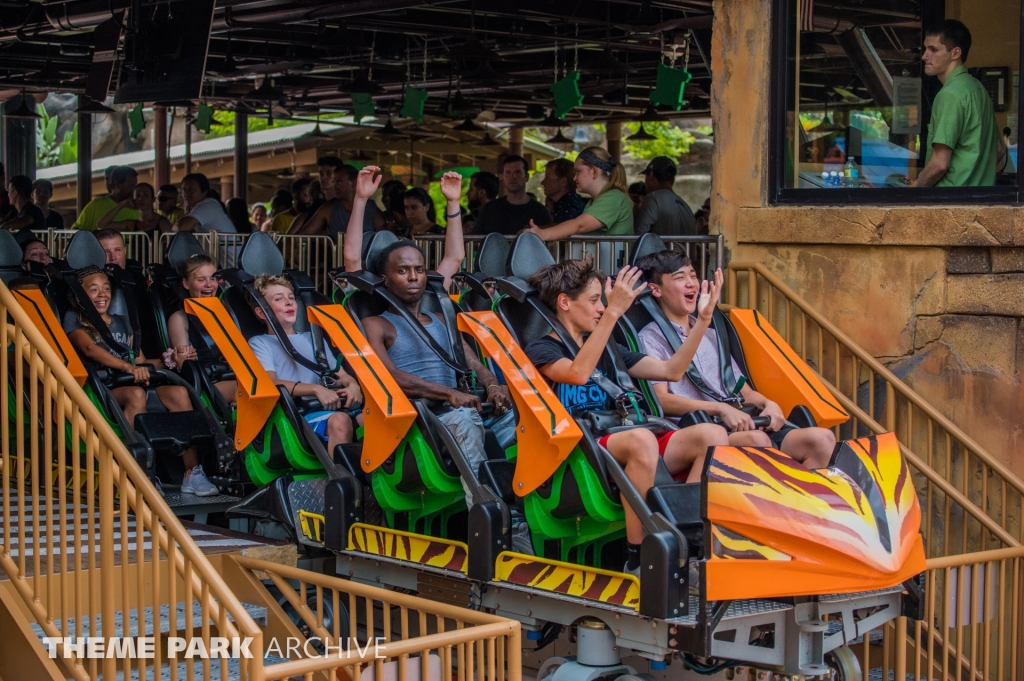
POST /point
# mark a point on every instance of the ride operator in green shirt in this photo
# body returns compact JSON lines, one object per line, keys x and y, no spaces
{"x":964,"y":144}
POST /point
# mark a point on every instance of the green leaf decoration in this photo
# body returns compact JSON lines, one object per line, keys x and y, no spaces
{"x":204,"y":118}
{"x":668,"y":91}
{"x":136,"y":120}
{"x":415,"y":99}
{"x":68,"y":150}
{"x":362,"y":106}
{"x":567,"y":94}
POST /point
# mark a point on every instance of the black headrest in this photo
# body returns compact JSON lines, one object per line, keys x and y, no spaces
{"x":10,"y":251}
{"x":374,"y":246}
{"x":527,"y":255}
{"x":260,"y":256}
{"x":83,"y":250}
{"x":183,"y":246}
{"x":492,"y":256}
{"x":648,"y":244}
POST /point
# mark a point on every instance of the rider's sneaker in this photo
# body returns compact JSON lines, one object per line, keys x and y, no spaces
{"x":198,"y":484}
{"x":635,"y":571}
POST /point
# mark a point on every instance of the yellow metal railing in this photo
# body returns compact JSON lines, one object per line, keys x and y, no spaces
{"x":102,"y":548}
{"x":444,"y":641}
{"x":973,"y":626}
{"x":970,"y":501}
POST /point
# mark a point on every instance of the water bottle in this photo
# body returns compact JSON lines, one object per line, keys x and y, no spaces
{"x":836,"y":178}
{"x":825,"y":180}
{"x":850,"y":170}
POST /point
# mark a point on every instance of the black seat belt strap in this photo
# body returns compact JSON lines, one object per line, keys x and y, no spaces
{"x":321,"y":370}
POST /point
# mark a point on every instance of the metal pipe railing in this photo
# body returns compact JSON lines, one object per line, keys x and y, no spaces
{"x":463,"y":640}
{"x":973,"y":625}
{"x":610,"y":252}
{"x":963,"y":488}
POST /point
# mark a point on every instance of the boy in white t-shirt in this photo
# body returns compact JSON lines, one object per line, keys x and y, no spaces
{"x":333,"y":426}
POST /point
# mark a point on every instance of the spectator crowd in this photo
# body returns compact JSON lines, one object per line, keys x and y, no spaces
{"x":322,"y":205}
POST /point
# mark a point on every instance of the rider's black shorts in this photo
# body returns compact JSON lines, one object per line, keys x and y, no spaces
{"x":778,"y":436}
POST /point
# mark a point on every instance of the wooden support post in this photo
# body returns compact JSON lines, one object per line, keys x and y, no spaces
{"x":188,"y":146}
{"x":515,"y":142}
{"x":242,"y":157}
{"x":162,"y":166}
{"x":84,"y":160}
{"x":614,"y":137}
{"x":227,"y":188}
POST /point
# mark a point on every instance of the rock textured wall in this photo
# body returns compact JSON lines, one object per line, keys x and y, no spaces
{"x":934,"y":292}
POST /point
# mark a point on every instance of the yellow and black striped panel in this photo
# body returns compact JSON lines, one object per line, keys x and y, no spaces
{"x":312,"y":526}
{"x":415,"y":548}
{"x":594,"y":584}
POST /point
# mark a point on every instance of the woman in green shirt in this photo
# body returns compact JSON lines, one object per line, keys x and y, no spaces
{"x":609,"y":211}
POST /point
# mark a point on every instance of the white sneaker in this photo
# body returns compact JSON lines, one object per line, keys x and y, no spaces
{"x":198,"y":484}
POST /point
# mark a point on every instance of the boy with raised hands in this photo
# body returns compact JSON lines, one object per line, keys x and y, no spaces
{"x":674,"y":285}
{"x":573,"y":290}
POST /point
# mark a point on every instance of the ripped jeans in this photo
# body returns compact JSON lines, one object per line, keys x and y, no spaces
{"x":467,"y":429}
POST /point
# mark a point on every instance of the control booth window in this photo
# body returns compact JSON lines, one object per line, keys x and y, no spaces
{"x":895,"y":101}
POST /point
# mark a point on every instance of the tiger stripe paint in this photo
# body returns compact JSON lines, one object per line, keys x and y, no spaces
{"x":407,"y":546}
{"x":312,"y":526}
{"x":593,"y":584}
{"x":781,"y":530}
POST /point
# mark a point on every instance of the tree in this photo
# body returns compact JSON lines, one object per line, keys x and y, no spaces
{"x":672,"y":141}
{"x":50,"y":152}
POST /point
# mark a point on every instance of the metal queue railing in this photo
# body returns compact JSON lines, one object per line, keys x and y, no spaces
{"x":610,"y":252}
{"x":317,"y":254}
{"x":970,"y":500}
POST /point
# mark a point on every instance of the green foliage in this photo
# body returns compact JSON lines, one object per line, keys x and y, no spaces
{"x":705,"y":130}
{"x":50,"y":152}
{"x":223,"y":124}
{"x":672,"y":141}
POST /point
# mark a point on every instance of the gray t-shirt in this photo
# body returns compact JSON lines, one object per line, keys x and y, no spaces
{"x":338,"y":223}
{"x":272,"y":356}
{"x":211,"y":217}
{"x":663,"y":213}
{"x":120,"y":328}
{"x":706,"y":361}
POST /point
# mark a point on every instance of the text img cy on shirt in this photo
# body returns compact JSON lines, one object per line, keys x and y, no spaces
{"x":579,"y":399}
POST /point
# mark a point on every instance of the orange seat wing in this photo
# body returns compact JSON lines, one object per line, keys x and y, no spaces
{"x":778,"y":372}
{"x":256,"y":394}
{"x":387,"y":412}
{"x":545,"y":434}
{"x":39,"y":311}
{"x":780,"y":530}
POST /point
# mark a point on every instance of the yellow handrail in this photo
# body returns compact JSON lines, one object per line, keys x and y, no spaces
{"x":458,"y":635}
{"x":971,"y":628}
{"x":993,"y":495}
{"x":59,"y":421}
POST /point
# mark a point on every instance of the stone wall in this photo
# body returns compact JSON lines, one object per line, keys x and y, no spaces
{"x":936,"y":293}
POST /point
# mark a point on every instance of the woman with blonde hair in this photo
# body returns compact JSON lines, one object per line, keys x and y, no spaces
{"x":609,"y":211}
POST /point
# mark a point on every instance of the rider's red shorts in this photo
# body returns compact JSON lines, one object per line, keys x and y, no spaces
{"x":662,"y":446}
